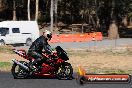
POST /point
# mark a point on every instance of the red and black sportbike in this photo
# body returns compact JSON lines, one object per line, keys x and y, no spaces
{"x":55,"y":67}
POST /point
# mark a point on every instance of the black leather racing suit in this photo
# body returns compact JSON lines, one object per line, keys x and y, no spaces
{"x":36,"y":48}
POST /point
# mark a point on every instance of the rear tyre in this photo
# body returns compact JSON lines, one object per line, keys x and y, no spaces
{"x":28,"y":42}
{"x":65,"y":71}
{"x":18,"y":72}
{"x":2,"y":43}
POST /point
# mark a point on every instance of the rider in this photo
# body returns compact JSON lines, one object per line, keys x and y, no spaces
{"x":38,"y":45}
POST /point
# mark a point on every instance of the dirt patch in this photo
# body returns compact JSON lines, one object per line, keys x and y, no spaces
{"x":7,"y":57}
{"x":102,"y":62}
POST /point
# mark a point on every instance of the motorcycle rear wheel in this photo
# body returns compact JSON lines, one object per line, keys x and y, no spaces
{"x":18,"y":72}
{"x":65,"y":71}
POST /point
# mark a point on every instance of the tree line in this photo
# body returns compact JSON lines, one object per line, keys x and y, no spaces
{"x":98,"y":13}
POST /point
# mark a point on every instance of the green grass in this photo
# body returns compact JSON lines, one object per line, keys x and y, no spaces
{"x":5,"y":66}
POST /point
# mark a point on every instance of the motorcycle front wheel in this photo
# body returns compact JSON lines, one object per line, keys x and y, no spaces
{"x":18,"y":72}
{"x":65,"y":71}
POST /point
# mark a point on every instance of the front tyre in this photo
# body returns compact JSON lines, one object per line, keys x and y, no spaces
{"x":18,"y":72}
{"x":28,"y":42}
{"x":65,"y":71}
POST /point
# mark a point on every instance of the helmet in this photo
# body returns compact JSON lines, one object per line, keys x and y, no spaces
{"x":47,"y":34}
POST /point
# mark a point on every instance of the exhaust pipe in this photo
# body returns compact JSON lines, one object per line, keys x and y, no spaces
{"x":20,"y":64}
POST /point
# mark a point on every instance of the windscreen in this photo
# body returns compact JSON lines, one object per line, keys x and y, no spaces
{"x":61,"y":53}
{"x":4,"y":31}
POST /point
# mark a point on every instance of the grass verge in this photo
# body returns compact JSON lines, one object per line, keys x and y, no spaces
{"x":98,"y":62}
{"x":84,"y":57}
{"x":5,"y":66}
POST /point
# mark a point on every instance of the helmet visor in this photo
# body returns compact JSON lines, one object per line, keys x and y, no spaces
{"x":49,"y":36}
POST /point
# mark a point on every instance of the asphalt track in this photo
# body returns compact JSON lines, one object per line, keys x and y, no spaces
{"x":7,"y":81}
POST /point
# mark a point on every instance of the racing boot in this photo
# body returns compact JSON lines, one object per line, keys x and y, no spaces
{"x":33,"y":66}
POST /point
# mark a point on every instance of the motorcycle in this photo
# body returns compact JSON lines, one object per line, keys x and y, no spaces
{"x":55,"y":67}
